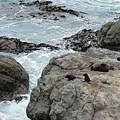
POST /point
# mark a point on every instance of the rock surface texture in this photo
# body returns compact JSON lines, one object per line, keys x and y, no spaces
{"x":57,"y":98}
{"x":109,"y":36}
{"x":82,"y":40}
{"x":14,"y":80}
{"x":14,"y":45}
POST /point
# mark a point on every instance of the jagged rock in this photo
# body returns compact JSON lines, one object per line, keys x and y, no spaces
{"x":56,"y":98}
{"x":14,"y":45}
{"x":47,"y":8}
{"x":81,"y":41}
{"x":14,"y":80}
{"x":37,"y":9}
{"x":109,"y":36}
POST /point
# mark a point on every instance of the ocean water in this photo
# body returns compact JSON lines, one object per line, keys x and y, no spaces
{"x":51,"y":32}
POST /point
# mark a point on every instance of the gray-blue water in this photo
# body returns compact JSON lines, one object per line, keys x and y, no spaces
{"x":51,"y":32}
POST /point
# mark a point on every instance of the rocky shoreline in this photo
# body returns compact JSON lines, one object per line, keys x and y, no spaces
{"x":56,"y":97}
{"x":107,"y":37}
{"x":14,"y":45}
{"x":40,"y":10}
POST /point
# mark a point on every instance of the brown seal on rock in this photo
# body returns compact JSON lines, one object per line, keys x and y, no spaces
{"x":70,"y":77}
{"x":103,"y":67}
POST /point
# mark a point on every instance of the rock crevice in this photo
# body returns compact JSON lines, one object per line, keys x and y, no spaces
{"x":61,"y":99}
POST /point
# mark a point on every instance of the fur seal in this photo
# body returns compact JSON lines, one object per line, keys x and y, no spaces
{"x":70,"y":77}
{"x":104,"y":67}
{"x":87,"y":79}
{"x":101,"y":67}
{"x":118,"y":58}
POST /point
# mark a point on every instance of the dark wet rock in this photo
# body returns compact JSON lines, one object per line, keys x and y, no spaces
{"x":19,"y":98}
{"x":109,"y":36}
{"x":85,"y":47}
{"x":37,"y":9}
{"x":117,"y":15}
{"x":82,"y":40}
{"x":14,"y":45}
{"x":117,"y":18}
{"x":47,"y":6}
{"x":14,"y":79}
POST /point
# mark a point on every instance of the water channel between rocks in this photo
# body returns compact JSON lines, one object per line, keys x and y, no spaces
{"x":38,"y":30}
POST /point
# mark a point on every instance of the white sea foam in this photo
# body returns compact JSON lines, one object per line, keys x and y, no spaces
{"x":39,"y":30}
{"x":13,"y":111}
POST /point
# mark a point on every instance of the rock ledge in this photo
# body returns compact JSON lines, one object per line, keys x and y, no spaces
{"x":57,"y":98}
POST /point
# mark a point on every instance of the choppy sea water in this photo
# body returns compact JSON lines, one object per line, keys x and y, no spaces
{"x":51,"y":32}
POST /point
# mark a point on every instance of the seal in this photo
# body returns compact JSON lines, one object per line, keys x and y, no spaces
{"x":118,"y":58}
{"x":70,"y":77}
{"x":102,"y":67}
{"x":87,"y":79}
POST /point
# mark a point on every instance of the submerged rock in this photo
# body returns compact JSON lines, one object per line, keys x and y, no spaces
{"x":37,"y":9}
{"x":48,"y":10}
{"x":14,"y":80}
{"x":56,"y":98}
{"x":14,"y":45}
{"x":109,"y":36}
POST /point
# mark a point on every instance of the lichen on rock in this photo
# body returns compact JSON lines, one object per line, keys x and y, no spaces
{"x":57,"y":98}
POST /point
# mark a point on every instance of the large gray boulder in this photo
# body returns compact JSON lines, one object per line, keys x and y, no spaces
{"x":14,"y":80}
{"x":109,"y":36}
{"x":57,"y":98}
